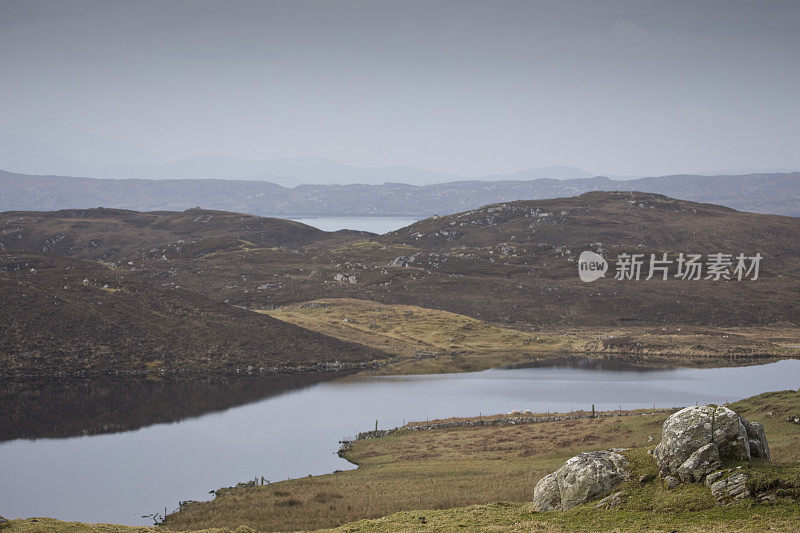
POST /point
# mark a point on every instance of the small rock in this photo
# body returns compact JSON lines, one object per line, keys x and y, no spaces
{"x":671,"y":482}
{"x":715,"y":476}
{"x":731,"y":490}
{"x":610,"y":502}
{"x":767,"y":498}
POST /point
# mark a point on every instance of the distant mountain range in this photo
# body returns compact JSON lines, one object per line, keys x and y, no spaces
{"x":52,"y":147}
{"x":777,"y":193}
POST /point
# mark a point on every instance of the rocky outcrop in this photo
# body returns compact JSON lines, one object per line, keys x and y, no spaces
{"x":586,"y":476}
{"x":401,"y":261}
{"x":345,"y":278}
{"x":696,"y":440}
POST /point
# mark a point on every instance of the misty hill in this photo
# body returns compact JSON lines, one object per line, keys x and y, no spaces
{"x":763,"y":193}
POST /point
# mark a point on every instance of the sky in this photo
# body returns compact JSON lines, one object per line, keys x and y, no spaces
{"x":458,"y":87}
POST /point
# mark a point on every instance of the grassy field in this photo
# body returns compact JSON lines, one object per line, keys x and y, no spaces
{"x":51,"y":525}
{"x":458,"y":476}
{"x":460,"y":343}
{"x":436,"y":341}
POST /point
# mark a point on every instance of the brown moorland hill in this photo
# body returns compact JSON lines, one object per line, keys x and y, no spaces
{"x":512,"y":265}
{"x":516,"y":264}
{"x":67,"y":315}
{"x":113,"y":234}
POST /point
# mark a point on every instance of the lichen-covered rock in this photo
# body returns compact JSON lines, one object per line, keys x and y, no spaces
{"x":731,"y":489}
{"x":546,"y":494}
{"x":693,"y":428}
{"x":586,"y":476}
{"x":703,"y":461}
{"x":757,"y":440}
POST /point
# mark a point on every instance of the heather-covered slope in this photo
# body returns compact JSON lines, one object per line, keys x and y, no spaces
{"x":67,"y":315}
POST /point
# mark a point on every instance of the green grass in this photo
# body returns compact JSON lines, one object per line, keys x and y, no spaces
{"x":455,"y":477}
{"x":650,"y":506}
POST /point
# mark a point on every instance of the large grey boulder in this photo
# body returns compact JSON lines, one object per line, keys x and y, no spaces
{"x":695,"y":440}
{"x":586,"y":476}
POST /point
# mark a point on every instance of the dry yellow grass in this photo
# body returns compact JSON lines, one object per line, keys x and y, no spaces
{"x":420,"y":470}
{"x":463,"y":343}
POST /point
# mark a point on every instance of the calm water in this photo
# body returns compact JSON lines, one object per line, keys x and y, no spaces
{"x":378,"y":225}
{"x":117,"y":477}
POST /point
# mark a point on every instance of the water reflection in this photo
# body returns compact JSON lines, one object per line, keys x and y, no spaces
{"x":72,"y":407}
{"x":587,"y":363}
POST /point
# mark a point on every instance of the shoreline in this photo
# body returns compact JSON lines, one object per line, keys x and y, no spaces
{"x":634,"y":360}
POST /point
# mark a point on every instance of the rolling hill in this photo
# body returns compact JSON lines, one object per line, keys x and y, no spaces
{"x":67,"y":316}
{"x":776,"y":193}
{"x":113,"y":290}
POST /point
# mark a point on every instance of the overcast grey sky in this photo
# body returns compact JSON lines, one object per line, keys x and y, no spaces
{"x":463,"y":87}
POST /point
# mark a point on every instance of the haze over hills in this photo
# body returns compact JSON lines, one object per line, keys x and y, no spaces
{"x":776,"y":193}
{"x":53,"y":148}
